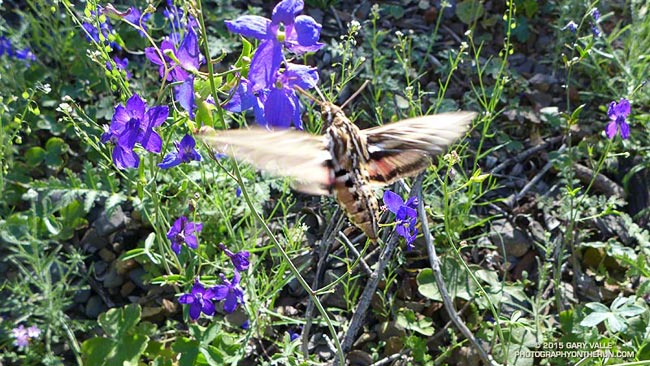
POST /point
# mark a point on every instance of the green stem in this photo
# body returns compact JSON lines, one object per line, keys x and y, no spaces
{"x":292,"y":267}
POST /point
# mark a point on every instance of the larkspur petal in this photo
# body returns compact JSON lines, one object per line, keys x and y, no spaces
{"x":250,"y":26}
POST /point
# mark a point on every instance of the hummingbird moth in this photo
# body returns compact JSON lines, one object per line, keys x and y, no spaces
{"x":345,"y":162}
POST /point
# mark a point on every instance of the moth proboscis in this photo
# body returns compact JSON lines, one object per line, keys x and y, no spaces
{"x":345,"y":162}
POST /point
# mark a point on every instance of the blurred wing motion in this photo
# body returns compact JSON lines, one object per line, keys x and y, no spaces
{"x":404,"y":148}
{"x":288,"y":153}
{"x":346,"y":160}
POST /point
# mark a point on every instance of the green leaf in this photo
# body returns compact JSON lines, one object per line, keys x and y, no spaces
{"x":55,"y":148}
{"x":209,"y":334}
{"x":455,"y":277}
{"x":97,"y":351}
{"x":213,"y":355}
{"x":188,"y":349}
{"x":130,"y":349}
{"x":594,"y":319}
{"x":120,"y":321}
{"x":596,"y":306}
{"x":630,"y":310}
{"x":469,"y":11}
{"x":72,"y":217}
{"x":616,"y":324}
{"x":408,"y":319}
{"x":34,"y":156}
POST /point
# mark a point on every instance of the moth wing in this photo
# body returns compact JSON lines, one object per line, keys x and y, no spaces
{"x":289,"y":153}
{"x":404,"y":148}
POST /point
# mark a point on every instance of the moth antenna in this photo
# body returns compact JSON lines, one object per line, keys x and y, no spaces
{"x":356,"y":93}
{"x":302,"y":91}
{"x":320,"y":93}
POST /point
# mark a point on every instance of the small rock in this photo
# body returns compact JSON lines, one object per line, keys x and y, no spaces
{"x":107,"y":224}
{"x":359,"y":358}
{"x":237,"y":318}
{"x":169,"y":307}
{"x":126,"y":266}
{"x":137,"y":276}
{"x":389,"y":329}
{"x":127,"y":288}
{"x":504,"y":236}
{"x":94,"y":307}
{"x":118,"y":246}
{"x":393,"y":345}
{"x":113,"y":279}
{"x":107,"y":255}
{"x":81,"y":296}
{"x":467,"y":356}
{"x":542,"y":82}
{"x":92,"y":242}
{"x":149,"y":312}
{"x":99,"y":268}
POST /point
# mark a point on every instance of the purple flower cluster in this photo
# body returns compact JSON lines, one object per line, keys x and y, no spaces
{"x":179,"y":64}
{"x":201,"y":300}
{"x":25,"y":54}
{"x":132,"y":124}
{"x":270,"y":86}
{"x":405,"y":216}
{"x":595,"y":29}
{"x":617,"y":113}
{"x":595,"y":15}
{"x":23,"y":335}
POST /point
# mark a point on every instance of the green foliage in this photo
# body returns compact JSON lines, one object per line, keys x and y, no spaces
{"x":127,"y":342}
{"x":615,"y":316}
{"x":55,"y":171}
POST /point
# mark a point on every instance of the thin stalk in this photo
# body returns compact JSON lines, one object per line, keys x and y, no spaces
{"x":292,"y":267}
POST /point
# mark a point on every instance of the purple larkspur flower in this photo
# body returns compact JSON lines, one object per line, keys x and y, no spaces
{"x":199,"y":299}
{"x":231,"y":292}
{"x":5,"y":46}
{"x":294,"y":334}
{"x":617,"y":113}
{"x":133,"y":123}
{"x":135,"y":16}
{"x":275,"y":104}
{"x":596,"y":30}
{"x":178,"y":21}
{"x":185,"y":152}
{"x":187,"y":54}
{"x":184,"y":231}
{"x":238,"y":192}
{"x":572,"y":26}
{"x":297,"y":33}
{"x":405,"y":216}
{"x":26,"y":55}
{"x":189,"y":59}
{"x":240,"y":260}
{"x":595,"y":14}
